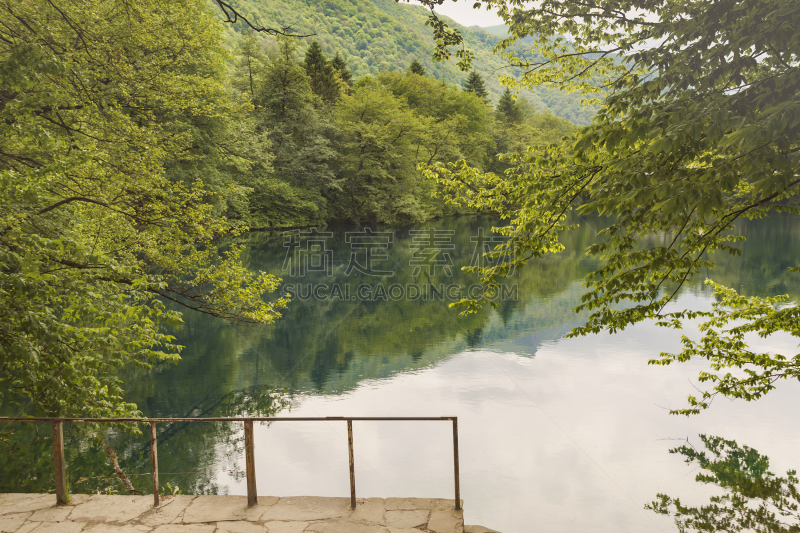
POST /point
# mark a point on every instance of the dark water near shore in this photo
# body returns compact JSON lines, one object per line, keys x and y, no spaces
{"x":555,"y":434}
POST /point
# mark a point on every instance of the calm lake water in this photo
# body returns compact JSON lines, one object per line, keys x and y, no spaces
{"x":555,"y":434}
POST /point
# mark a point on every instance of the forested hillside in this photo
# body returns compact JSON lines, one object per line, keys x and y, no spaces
{"x":320,"y":145}
{"x":376,"y":36}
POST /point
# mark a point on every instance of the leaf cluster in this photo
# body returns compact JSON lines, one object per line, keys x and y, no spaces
{"x":723,"y":344}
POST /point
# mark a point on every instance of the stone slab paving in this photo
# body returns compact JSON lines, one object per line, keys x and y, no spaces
{"x":37,"y":513}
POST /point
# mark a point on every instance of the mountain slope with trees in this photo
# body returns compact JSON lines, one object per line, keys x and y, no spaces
{"x":375,"y":36}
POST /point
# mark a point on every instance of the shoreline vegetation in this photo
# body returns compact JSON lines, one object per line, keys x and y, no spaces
{"x":346,"y":223}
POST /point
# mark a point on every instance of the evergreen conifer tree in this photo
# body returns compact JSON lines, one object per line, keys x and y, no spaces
{"x":299,"y":131}
{"x":321,"y":74}
{"x":251,"y":59}
{"x":416,"y":68}
{"x":474,"y":84}
{"x":507,"y":109}
{"x":341,"y":67}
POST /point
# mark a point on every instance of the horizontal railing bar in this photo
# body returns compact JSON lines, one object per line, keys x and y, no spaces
{"x":232,"y":419}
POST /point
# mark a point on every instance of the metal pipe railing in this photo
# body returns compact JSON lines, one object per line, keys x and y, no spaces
{"x":249,"y":447}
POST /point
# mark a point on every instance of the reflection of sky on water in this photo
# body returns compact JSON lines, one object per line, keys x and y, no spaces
{"x":572,"y":439}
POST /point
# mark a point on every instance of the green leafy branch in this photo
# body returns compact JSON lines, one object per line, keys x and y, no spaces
{"x":723,"y":344}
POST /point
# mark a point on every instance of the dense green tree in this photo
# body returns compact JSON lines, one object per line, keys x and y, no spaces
{"x":321,"y":74}
{"x":475,"y":85}
{"x":459,"y":123}
{"x":508,"y":111}
{"x":696,"y":132}
{"x":416,"y":68}
{"x":341,"y":67}
{"x":96,"y":104}
{"x":379,"y":136}
{"x":314,"y":63}
{"x":250,"y":63}
{"x":229,"y":155}
{"x":301,"y":143}
{"x":532,"y":128}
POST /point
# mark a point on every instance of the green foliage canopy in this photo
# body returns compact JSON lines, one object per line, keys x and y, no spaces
{"x":299,"y":128}
{"x":379,"y":134}
{"x":389,"y":124}
{"x":94,"y":105}
{"x":306,"y":174}
{"x":701,"y":127}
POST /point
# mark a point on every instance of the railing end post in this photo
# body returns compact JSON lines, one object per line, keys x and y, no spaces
{"x":352,"y":464}
{"x":455,"y":463}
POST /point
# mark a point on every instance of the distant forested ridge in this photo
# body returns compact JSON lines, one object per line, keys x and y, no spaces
{"x":375,"y":36}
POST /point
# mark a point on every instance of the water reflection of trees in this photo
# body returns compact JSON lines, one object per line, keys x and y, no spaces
{"x":755,"y":499}
{"x":331,"y":345}
{"x":770,"y":248}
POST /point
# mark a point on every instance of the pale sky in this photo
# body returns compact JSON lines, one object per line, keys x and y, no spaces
{"x":463,"y":13}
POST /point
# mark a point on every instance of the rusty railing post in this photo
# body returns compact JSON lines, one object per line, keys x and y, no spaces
{"x":154,"y":454}
{"x":352,"y":464}
{"x":250,"y":466}
{"x":58,"y":460}
{"x":455,"y":462}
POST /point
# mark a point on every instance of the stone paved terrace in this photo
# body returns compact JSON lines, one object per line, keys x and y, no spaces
{"x":25,"y":513}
